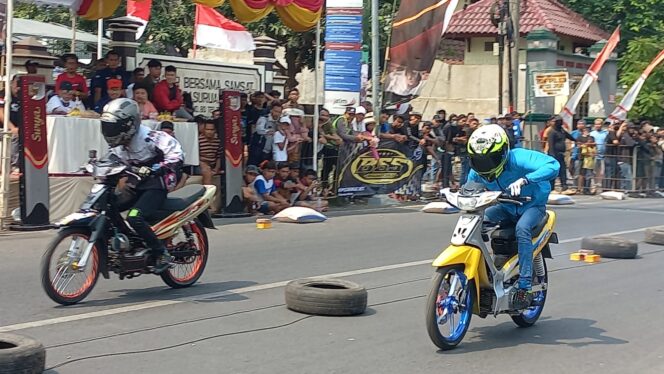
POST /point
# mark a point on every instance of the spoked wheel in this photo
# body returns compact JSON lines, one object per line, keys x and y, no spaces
{"x":449,"y":307}
{"x":187,"y":269}
{"x":61,"y":277}
{"x":529,"y":316}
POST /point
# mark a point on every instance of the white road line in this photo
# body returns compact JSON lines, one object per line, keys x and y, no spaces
{"x":260,"y":287}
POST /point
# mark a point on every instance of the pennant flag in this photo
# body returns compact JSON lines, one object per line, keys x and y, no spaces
{"x":139,"y":10}
{"x":216,"y":31}
{"x":620,"y":113}
{"x":591,"y":75}
{"x":416,"y":32}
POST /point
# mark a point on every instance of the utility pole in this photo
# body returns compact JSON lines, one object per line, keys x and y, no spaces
{"x":515,"y":14}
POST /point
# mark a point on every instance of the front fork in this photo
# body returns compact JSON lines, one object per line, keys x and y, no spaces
{"x":98,"y":227}
{"x":449,"y":305}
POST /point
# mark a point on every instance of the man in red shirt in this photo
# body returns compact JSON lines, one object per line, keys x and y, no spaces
{"x":77,"y":81}
{"x":168,"y":96}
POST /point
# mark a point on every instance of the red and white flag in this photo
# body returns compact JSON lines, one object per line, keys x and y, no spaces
{"x":213,"y":30}
{"x":591,"y":75}
{"x":139,"y":10}
{"x":620,"y":113}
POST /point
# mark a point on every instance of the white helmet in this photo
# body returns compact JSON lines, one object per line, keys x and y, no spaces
{"x":120,"y":121}
{"x":488,"y":148}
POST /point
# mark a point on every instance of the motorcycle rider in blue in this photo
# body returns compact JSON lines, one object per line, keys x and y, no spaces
{"x":519,"y":172}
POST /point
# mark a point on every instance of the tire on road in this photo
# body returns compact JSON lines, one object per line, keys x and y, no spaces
{"x":655,"y":235}
{"x":611,"y":246}
{"x":21,"y":355}
{"x":326,"y":297}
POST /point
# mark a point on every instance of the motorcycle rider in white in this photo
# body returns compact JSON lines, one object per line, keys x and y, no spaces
{"x":158,"y":157}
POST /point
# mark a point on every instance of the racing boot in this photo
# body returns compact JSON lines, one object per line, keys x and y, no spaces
{"x":520,"y":298}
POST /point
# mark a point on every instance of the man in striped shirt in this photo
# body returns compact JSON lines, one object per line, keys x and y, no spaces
{"x":209,"y":152}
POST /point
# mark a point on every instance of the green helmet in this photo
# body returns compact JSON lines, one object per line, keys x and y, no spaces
{"x":488,"y":148}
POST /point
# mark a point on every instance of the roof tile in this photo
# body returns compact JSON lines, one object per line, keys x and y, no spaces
{"x":553,"y":15}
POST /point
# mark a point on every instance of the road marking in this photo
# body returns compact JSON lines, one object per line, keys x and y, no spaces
{"x":260,"y":287}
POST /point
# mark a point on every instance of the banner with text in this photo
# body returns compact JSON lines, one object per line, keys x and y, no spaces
{"x":343,"y":54}
{"x":398,"y":169}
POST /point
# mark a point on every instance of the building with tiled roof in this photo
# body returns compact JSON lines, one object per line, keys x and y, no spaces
{"x":553,"y":39}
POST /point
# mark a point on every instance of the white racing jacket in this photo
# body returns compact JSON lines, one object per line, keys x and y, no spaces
{"x":157,"y":150}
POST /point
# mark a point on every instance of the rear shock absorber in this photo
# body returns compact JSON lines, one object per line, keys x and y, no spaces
{"x":538,"y":265}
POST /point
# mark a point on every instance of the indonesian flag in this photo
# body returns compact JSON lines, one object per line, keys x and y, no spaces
{"x":591,"y":75}
{"x":620,"y":113}
{"x":139,"y":10}
{"x":216,"y":31}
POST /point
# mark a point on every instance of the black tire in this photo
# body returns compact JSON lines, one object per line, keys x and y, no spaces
{"x":21,"y":355}
{"x":326,"y":297}
{"x":611,"y":246}
{"x":431,"y":319}
{"x":528,"y":319}
{"x":655,"y":235}
{"x":172,"y":280}
{"x":94,"y":261}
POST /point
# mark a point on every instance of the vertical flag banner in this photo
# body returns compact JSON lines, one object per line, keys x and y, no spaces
{"x":620,"y":113}
{"x":139,"y":10}
{"x":591,"y":75}
{"x":416,"y":33}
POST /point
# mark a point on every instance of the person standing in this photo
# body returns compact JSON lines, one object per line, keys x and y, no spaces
{"x":557,"y":148}
{"x":153,"y":77}
{"x":599,"y":134}
{"x":113,"y":70}
{"x":280,"y":147}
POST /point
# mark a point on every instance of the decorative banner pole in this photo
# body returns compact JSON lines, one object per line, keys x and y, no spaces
{"x":620,"y":113}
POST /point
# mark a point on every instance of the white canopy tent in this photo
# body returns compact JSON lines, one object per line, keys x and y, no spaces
{"x":43,"y":30}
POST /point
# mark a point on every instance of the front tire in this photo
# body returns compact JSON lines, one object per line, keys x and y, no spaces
{"x":530,"y":316}
{"x":187,"y":270}
{"x":66,"y":273}
{"x":438,"y":317}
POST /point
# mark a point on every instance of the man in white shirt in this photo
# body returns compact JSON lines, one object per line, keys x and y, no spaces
{"x":358,"y":122}
{"x":62,"y":103}
{"x":280,"y":148}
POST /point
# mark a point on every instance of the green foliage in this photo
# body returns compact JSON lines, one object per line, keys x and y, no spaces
{"x":642,"y":25}
{"x":640,"y":51}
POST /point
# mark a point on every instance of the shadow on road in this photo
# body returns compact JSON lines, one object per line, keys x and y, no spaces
{"x":130,"y":296}
{"x":573,"y":332}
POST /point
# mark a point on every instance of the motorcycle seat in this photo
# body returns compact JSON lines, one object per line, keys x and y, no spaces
{"x":182,"y":198}
{"x":508,"y":233}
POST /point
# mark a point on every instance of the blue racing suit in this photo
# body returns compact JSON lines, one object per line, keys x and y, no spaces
{"x":538,"y":169}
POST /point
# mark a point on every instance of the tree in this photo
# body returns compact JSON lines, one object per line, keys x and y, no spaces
{"x":640,"y":51}
{"x":642,"y":25}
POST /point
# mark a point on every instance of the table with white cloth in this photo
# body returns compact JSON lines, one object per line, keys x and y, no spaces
{"x":70,"y":139}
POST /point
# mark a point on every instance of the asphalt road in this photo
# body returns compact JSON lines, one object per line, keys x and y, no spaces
{"x":602,"y":318}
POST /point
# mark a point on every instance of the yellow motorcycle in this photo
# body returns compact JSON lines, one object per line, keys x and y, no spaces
{"x":473,"y":278}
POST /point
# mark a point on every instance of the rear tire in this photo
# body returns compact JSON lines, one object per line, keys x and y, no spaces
{"x":530,"y":316}
{"x":185,"y":274}
{"x":57,"y":292}
{"x":443,"y":274}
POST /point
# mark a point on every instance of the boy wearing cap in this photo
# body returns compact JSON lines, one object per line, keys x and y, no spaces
{"x":63,"y":103}
{"x":114,"y":91}
{"x":280,"y":148}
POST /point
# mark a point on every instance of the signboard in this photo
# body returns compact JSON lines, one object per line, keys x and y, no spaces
{"x":547,"y":84}
{"x":398,"y":169}
{"x":204,"y":79}
{"x":33,"y":159}
{"x":343,"y":54}
{"x":233,"y":151}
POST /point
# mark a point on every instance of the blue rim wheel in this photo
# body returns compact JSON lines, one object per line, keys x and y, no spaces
{"x":449,"y":307}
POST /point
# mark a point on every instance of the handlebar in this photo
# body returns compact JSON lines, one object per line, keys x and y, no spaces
{"x":517,"y":200}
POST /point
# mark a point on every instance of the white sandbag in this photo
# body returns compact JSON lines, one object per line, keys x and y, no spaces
{"x":557,"y":199}
{"x":299,"y":214}
{"x":613,"y":195}
{"x":440,"y":207}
